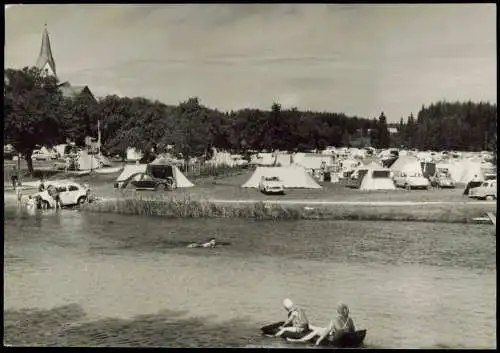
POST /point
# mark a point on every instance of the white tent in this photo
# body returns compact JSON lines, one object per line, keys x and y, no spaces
{"x":292,"y":177}
{"x":409,"y":165}
{"x":470,"y":169}
{"x":133,"y":154}
{"x":180,"y":179}
{"x":374,"y":177}
{"x":284,"y":159}
{"x":131,"y":169}
{"x":87,"y":161}
{"x":220,"y":158}
{"x":313,"y":161}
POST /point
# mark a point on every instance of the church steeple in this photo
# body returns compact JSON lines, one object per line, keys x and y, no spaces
{"x":45,"y":57}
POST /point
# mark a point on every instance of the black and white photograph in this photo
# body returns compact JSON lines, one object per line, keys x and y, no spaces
{"x":250,"y":175}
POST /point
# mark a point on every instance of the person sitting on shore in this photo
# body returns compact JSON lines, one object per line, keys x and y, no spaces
{"x":342,"y":323}
{"x":296,"y":316}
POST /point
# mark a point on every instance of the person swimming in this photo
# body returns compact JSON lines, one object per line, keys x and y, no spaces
{"x":296,"y":316}
{"x":210,"y":244}
{"x":342,"y":323}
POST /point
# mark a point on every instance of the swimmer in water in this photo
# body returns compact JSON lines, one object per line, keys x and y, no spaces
{"x":210,"y":244}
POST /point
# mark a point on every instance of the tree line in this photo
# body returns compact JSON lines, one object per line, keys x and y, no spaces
{"x":36,"y":113}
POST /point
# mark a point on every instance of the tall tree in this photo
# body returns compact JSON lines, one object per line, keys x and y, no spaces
{"x":383,"y":132}
{"x":33,"y":107}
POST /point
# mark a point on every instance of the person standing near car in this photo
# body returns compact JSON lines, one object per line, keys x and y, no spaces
{"x":41,"y":187}
{"x":14,"y":177}
{"x":19,"y":193}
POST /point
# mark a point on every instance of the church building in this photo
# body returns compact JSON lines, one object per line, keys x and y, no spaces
{"x":46,"y":60}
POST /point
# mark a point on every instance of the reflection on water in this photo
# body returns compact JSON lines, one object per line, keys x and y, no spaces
{"x":409,"y":284}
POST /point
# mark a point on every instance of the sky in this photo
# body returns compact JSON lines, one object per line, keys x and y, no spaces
{"x":359,"y":59}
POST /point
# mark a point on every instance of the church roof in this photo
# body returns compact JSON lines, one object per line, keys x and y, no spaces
{"x":46,"y":58}
{"x":71,"y":91}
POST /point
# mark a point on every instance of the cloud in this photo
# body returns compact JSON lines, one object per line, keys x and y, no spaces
{"x":359,"y":59}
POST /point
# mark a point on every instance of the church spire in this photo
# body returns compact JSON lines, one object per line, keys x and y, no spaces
{"x":45,"y":57}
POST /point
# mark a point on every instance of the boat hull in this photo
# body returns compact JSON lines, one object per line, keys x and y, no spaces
{"x":344,"y":340}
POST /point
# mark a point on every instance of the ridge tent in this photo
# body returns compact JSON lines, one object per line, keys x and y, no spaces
{"x":165,"y":171}
{"x":88,"y":161}
{"x":375,"y":178}
{"x":469,"y":170}
{"x":284,"y":159}
{"x":371,"y":177}
{"x":131,"y":169}
{"x":293,"y":177}
{"x":406,"y":164}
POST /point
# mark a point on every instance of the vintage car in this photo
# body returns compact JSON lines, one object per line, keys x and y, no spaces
{"x":442,"y":181}
{"x":271,"y":185}
{"x":413,"y":181}
{"x":143,"y":181}
{"x":70,"y":193}
{"x":39,"y":155}
{"x":487,"y":190}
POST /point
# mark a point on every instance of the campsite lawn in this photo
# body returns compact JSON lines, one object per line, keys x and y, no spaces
{"x":229,"y":188}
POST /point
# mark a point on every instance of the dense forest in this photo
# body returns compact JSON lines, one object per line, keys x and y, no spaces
{"x":36,"y":113}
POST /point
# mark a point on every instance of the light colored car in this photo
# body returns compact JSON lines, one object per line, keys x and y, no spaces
{"x":487,"y":190}
{"x":415,"y":181}
{"x":442,"y":181}
{"x":38,"y":155}
{"x":70,"y":193}
{"x":271,"y":185}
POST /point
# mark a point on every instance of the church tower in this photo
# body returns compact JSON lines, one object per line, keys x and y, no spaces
{"x":45,"y":57}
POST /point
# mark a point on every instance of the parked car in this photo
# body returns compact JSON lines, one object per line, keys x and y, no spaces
{"x":487,"y":190}
{"x":10,"y":154}
{"x":145,"y":181}
{"x":38,"y":155}
{"x":416,"y":181}
{"x":271,"y":185}
{"x":442,"y":181}
{"x":70,"y":193}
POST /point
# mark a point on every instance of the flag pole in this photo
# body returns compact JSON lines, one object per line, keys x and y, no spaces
{"x":99,"y":137}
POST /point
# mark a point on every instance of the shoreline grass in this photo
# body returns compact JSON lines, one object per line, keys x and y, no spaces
{"x":187,"y":207}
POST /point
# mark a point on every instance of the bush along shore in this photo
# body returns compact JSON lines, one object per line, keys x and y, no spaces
{"x":189,"y":208}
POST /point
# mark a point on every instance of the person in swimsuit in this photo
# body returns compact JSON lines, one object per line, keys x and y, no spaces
{"x":296,"y":316}
{"x":342,"y":323}
{"x":210,"y":244}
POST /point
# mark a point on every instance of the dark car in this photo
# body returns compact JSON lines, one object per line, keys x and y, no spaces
{"x":145,"y":181}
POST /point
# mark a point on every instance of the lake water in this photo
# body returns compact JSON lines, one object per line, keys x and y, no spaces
{"x":95,"y":279}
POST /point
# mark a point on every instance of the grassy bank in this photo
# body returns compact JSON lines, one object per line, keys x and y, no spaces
{"x":187,"y":208}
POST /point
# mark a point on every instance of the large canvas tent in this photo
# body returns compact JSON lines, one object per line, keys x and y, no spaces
{"x":293,"y":177}
{"x":131,"y":169}
{"x":409,"y":165}
{"x":470,"y":170}
{"x":88,"y":161}
{"x":375,"y":179}
{"x":371,"y":177}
